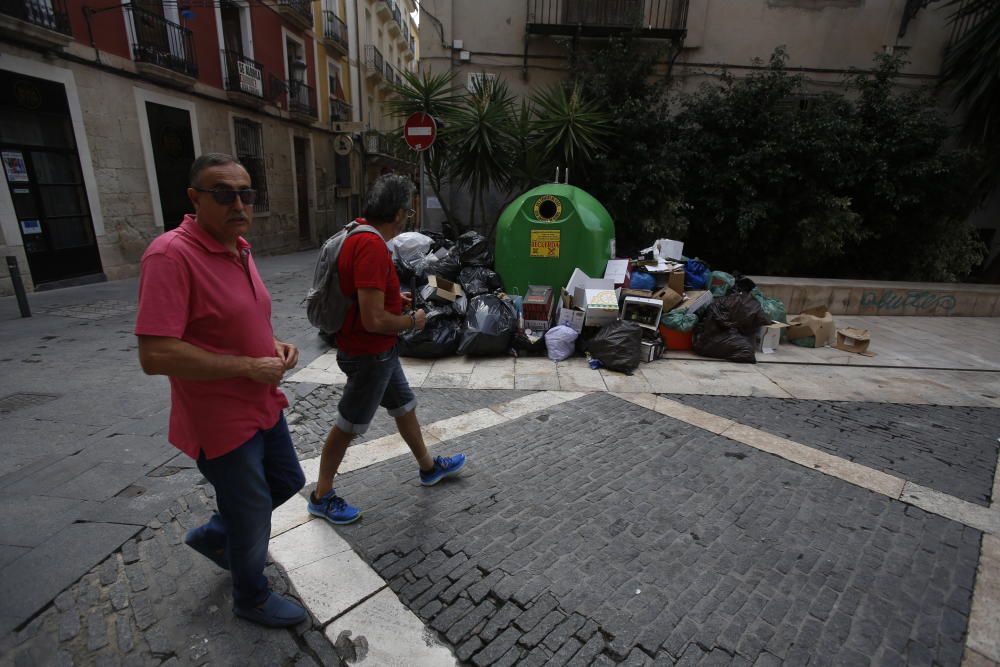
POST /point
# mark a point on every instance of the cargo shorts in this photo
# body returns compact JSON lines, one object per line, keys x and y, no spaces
{"x":372,"y":380}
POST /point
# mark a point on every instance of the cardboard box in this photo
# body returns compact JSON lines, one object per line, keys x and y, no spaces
{"x":816,"y":322}
{"x":538,"y":307}
{"x":444,"y":290}
{"x":616,"y":271}
{"x":768,"y":337}
{"x":570,"y":317}
{"x":651,"y":350}
{"x":675,"y":280}
{"x":695,"y":300}
{"x":600,"y":306}
{"x":669,"y":298}
{"x":628,"y":291}
{"x":644,"y":312}
{"x":854,"y":340}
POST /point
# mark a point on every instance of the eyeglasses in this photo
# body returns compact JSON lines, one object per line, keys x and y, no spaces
{"x":410,"y":213}
{"x":227,"y":197}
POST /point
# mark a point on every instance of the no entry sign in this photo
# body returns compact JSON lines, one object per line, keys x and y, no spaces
{"x":419,"y":131}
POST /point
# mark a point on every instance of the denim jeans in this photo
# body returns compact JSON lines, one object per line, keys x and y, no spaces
{"x":372,"y":380}
{"x":250,"y":482}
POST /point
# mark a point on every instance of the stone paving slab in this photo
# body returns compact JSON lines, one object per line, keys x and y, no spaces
{"x":950,"y":449}
{"x":312,"y":413}
{"x":640,"y":538}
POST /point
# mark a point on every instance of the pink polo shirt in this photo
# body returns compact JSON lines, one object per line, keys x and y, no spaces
{"x":192,"y":288}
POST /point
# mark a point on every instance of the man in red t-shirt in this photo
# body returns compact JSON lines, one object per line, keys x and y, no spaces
{"x":366,"y":349}
{"x":204,"y":321}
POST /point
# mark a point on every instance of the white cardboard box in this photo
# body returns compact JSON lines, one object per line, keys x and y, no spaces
{"x":769,"y":337}
{"x":644,"y":312}
{"x":600,"y":307}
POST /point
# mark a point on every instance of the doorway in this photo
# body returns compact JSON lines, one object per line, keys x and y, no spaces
{"x":302,"y":188}
{"x":41,"y":167}
{"x":173,"y":153}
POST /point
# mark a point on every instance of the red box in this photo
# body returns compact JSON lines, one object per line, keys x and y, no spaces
{"x":537,"y":305}
{"x":675,"y":340}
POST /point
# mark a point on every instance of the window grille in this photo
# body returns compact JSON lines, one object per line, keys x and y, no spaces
{"x":250,"y":151}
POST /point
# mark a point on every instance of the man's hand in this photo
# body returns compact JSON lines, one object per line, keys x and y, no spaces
{"x":287,"y":353}
{"x":267,"y":370}
{"x":420,"y":319}
{"x":407,"y":299}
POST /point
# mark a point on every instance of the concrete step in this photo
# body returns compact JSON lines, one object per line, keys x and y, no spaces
{"x":873,"y":297}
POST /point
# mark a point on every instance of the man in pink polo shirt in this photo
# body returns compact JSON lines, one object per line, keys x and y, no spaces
{"x":204,"y":321}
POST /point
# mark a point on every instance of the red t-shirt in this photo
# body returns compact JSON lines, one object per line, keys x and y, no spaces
{"x":193,"y":288}
{"x":365,"y":261}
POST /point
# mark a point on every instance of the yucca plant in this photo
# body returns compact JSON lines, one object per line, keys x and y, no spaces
{"x":483,"y":141}
{"x":569,"y":128}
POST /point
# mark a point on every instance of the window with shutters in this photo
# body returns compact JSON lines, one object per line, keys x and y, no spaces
{"x":250,"y":152}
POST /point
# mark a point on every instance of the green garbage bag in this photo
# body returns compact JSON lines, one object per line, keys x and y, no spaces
{"x":679,"y":320}
{"x":773,"y":308}
{"x":720,"y":283}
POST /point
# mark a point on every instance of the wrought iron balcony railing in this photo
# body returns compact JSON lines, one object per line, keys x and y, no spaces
{"x":301,"y":8}
{"x":374,"y":60}
{"x":334,"y":29}
{"x":301,"y":98}
{"x":243,"y":75}
{"x":340,"y":110}
{"x":49,"y":14}
{"x":157,"y":41}
{"x":654,"y":18}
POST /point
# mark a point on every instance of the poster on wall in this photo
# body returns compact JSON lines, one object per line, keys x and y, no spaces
{"x":13,"y":164}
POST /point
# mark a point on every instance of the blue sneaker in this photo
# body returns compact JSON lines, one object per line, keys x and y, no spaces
{"x":444,"y":466}
{"x":276,"y":612}
{"x":201,"y":540}
{"x":333,"y":508}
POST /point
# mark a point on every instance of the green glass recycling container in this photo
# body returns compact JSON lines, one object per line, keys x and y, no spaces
{"x":549,"y":231}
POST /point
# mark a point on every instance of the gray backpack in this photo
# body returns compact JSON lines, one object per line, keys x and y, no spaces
{"x":326,"y":305}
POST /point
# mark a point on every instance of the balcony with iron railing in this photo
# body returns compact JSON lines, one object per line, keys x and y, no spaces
{"x":43,"y":22}
{"x":396,"y":22}
{"x":340,"y":110}
{"x":383,"y":9}
{"x":374,"y":62}
{"x":161,"y":48}
{"x":301,"y":99}
{"x":335,"y":32}
{"x":376,"y":143}
{"x":297,"y":11}
{"x":665,"y":19}
{"x":244,"y":78}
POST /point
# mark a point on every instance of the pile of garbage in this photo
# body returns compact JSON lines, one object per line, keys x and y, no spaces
{"x":640,"y":307}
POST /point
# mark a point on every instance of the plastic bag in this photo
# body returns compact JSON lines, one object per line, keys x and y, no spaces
{"x":476,"y":280}
{"x":679,"y":320}
{"x":618,"y":346}
{"x":439,"y":338}
{"x":474,"y":249}
{"x":728,"y":329}
{"x":410,"y":246}
{"x":526,"y":346}
{"x":448,"y":266}
{"x":490,"y":324}
{"x":773,"y":308}
{"x":696,"y":275}
{"x":642,"y":280}
{"x":560,"y":342}
{"x":720,"y":283}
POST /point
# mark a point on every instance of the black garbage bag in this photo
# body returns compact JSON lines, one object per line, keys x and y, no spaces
{"x":410,"y":276}
{"x":474,"y":249}
{"x":525,"y":346}
{"x":476,"y":280}
{"x":583,"y":340}
{"x":728,"y":328}
{"x":438,"y":240}
{"x":448,"y":267}
{"x":618,"y":346}
{"x":490,"y":324}
{"x":439,"y":338}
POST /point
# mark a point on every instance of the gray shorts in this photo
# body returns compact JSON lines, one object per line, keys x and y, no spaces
{"x":372,"y":380}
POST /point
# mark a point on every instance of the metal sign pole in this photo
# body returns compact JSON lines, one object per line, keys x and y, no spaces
{"x":423,"y":194}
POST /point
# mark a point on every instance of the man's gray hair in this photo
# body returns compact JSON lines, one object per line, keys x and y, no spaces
{"x":388,"y":194}
{"x":206,"y":161}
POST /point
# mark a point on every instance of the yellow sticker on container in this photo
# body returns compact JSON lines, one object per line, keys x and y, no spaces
{"x":544,"y":243}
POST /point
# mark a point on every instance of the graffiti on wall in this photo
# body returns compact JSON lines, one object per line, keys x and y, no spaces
{"x":892,"y":301}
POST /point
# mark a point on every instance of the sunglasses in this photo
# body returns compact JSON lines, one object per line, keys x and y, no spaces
{"x":227,"y":197}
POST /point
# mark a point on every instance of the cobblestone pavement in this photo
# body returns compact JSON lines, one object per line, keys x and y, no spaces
{"x":598,"y":532}
{"x":155,"y":601}
{"x":313,"y":411}
{"x":951,"y":449}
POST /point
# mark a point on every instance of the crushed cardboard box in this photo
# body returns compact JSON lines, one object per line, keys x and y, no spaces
{"x":850,"y":339}
{"x":668,"y":297}
{"x":813,"y":322}
{"x":695,"y":300}
{"x":443,"y":290}
{"x":768,"y":337}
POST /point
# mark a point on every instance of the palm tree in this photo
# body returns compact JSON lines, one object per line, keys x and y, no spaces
{"x":972,"y":68}
{"x":569,"y":128}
